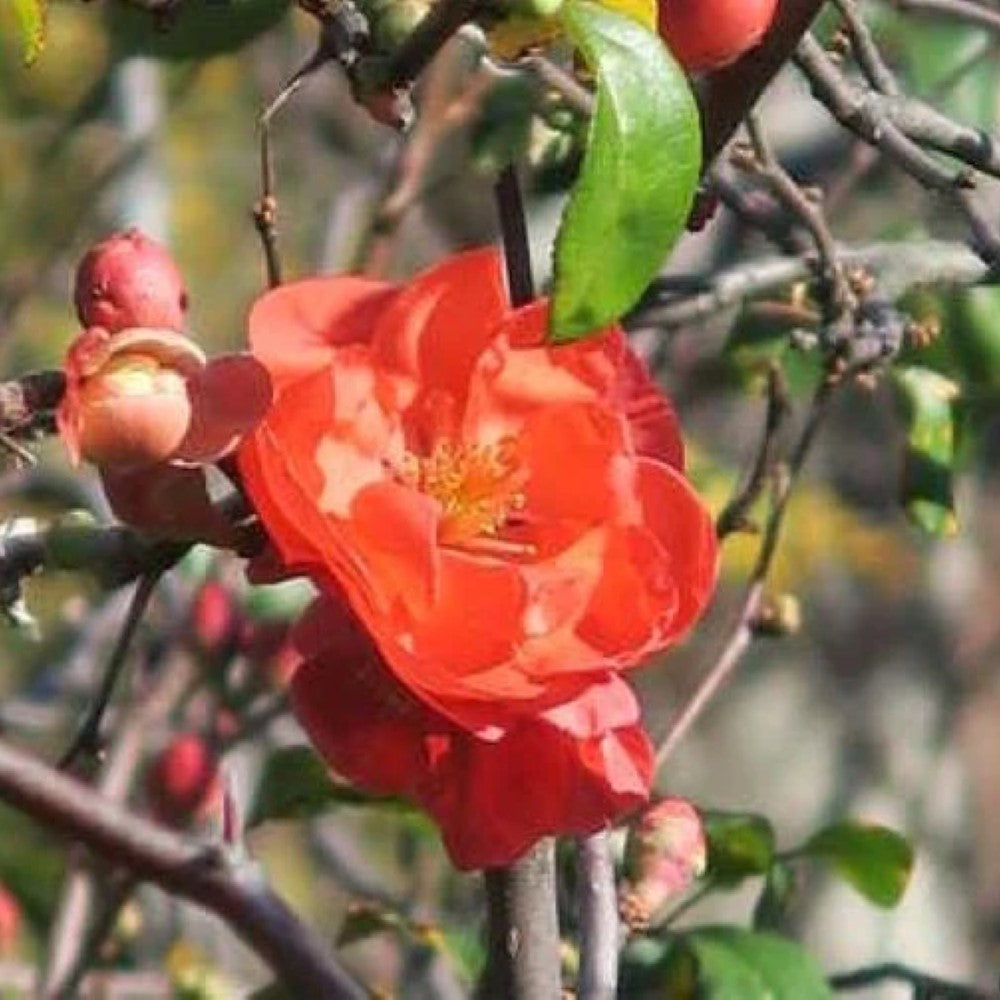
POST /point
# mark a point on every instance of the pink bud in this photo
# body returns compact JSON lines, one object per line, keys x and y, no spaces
{"x":127,"y":401}
{"x":10,"y":921}
{"x":128,"y":280}
{"x":213,"y":618}
{"x":666,"y":852}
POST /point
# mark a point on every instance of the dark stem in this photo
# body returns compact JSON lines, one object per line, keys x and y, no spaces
{"x":923,"y":984}
{"x":514,"y":230}
{"x":87,"y":738}
{"x":523,"y":929}
{"x":441,"y":22}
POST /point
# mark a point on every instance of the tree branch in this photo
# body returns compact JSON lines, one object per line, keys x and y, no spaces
{"x":183,"y":868}
{"x":600,"y":928}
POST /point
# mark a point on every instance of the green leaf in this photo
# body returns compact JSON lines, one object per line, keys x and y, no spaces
{"x":197,"y":29}
{"x":273,"y":991}
{"x":739,"y":845}
{"x":875,"y":860}
{"x":296,"y":784}
{"x":772,"y":904}
{"x":927,"y":400}
{"x":736,"y":964}
{"x":638,"y":178}
{"x":31,"y":16}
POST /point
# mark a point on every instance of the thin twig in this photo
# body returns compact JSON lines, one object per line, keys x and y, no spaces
{"x":924,"y":985}
{"x":743,"y":631}
{"x":88,"y":737}
{"x":734,"y":515}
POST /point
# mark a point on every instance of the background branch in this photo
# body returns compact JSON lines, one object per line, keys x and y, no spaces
{"x":298,"y":958}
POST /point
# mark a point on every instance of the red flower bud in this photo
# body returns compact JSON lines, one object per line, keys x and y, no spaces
{"x":213,"y":618}
{"x":127,"y":400}
{"x":183,"y":782}
{"x":707,"y":34}
{"x":10,"y":921}
{"x":129,"y":280}
{"x":666,"y":852}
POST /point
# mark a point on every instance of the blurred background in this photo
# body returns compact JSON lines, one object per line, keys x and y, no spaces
{"x":883,"y":705}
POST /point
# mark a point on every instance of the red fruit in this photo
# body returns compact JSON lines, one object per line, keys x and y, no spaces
{"x":707,"y":34}
{"x":183,"y":781}
{"x":129,"y":280}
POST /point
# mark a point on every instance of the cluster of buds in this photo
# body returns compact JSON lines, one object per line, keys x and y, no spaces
{"x":666,"y":851}
{"x":143,"y":403}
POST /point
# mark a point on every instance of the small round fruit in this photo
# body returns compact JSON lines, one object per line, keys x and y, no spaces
{"x":707,"y":34}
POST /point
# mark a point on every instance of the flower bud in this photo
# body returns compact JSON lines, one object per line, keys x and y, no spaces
{"x":10,"y":921}
{"x":183,"y":782}
{"x":127,"y":401}
{"x":129,"y":280}
{"x":665,"y":853}
{"x":706,"y":34}
{"x":214,"y":621}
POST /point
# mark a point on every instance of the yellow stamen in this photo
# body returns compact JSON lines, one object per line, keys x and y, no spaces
{"x":478,"y":488}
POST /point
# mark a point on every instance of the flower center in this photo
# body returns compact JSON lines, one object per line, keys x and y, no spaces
{"x":479,"y":488}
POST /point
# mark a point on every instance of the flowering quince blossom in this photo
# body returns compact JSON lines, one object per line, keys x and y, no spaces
{"x":569,"y":768}
{"x":506,"y":519}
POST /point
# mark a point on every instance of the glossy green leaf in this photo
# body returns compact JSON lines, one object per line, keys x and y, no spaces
{"x":772,"y":904}
{"x":926,"y":491}
{"x":296,"y":784}
{"x":639,"y":172}
{"x":30,"y":16}
{"x":197,"y":29}
{"x":736,"y":964}
{"x":873,"y":859}
{"x":739,"y":845}
{"x":975,"y":337}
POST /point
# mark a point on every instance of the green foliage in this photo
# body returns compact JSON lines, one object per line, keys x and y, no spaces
{"x":736,"y":964}
{"x":296,"y":784}
{"x":926,"y":491}
{"x":502,"y":127}
{"x":773,"y":902}
{"x":761,"y":334}
{"x":196,"y":30}
{"x":638,"y":176}
{"x":874,"y":860}
{"x":739,"y":845}
{"x":30,"y":16}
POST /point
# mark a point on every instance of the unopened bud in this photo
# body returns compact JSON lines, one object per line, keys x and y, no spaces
{"x":666,"y":851}
{"x":129,"y":280}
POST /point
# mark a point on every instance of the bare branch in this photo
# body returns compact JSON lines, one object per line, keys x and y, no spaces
{"x":183,"y":868}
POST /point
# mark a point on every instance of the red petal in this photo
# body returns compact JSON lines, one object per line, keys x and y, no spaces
{"x":294,"y":328}
{"x":439,"y":324}
{"x":229,"y":398}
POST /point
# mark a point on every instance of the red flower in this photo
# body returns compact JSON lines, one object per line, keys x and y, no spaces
{"x":570,"y":769}
{"x":508,"y":519}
